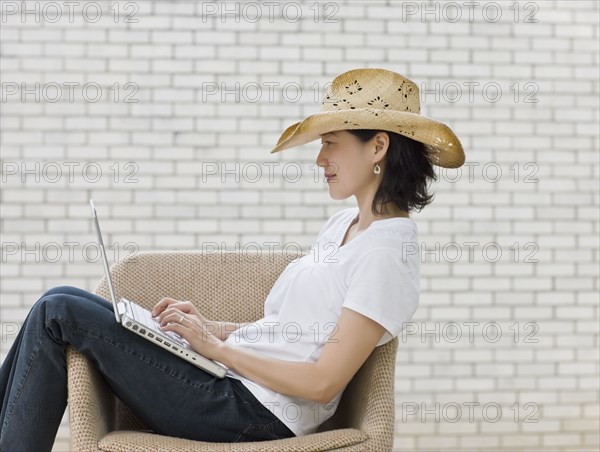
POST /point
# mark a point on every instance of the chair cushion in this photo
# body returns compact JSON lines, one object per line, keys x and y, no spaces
{"x":135,"y":441}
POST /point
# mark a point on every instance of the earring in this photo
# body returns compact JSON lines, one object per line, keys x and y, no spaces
{"x":377,"y":169}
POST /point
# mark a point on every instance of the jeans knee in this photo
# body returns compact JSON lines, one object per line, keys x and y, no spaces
{"x":62,"y":290}
{"x":64,"y":311}
{"x":56,"y":298}
{"x":71,"y":302}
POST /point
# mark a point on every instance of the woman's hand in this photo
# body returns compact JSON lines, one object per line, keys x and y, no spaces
{"x":168,"y":305}
{"x":195,"y":331}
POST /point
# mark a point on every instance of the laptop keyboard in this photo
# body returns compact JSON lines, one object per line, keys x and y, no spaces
{"x":144,"y":317}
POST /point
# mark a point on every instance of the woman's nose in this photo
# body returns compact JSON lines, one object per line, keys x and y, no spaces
{"x":321,"y":161}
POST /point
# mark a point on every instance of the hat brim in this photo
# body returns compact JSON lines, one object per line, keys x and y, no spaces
{"x":445,"y":147}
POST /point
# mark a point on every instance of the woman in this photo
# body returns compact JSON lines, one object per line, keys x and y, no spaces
{"x":322,"y":319}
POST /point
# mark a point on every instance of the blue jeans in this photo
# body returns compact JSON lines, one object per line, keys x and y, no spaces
{"x":170,"y":395}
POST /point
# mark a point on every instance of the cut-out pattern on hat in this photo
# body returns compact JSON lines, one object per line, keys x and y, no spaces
{"x":406,"y":89}
{"x":408,"y":92}
{"x":373,"y":112}
{"x":406,"y":130}
{"x":353,"y":87}
{"x":329,"y":100}
{"x":343,"y":104}
{"x":347,"y":122}
{"x":378,"y":102}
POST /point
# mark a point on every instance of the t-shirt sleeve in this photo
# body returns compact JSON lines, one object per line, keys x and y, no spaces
{"x":385,"y":287}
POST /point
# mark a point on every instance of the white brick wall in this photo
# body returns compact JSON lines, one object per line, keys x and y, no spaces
{"x":543,"y":367}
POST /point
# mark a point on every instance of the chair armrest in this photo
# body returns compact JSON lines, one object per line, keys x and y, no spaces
{"x":374,"y":410}
{"x":91,"y":403}
{"x":368,"y":401}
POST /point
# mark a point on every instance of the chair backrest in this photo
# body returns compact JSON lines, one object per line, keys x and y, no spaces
{"x":226,"y":285}
{"x":232,"y":286}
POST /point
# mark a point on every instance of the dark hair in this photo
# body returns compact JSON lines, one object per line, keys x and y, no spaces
{"x":408,"y":170}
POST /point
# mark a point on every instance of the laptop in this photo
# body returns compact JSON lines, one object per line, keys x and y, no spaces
{"x":139,"y":320}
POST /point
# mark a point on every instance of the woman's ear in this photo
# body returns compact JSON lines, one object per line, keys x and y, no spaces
{"x":382,"y":143}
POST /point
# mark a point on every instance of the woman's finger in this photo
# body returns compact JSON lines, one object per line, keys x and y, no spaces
{"x":173,"y":308}
{"x":175,"y":316}
{"x":199,"y":339}
{"x":162,"y":305}
{"x":169,"y":317}
{"x":181,"y":329}
{"x":186,"y":329}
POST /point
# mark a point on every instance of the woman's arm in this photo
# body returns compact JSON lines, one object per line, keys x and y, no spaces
{"x":343,"y":354}
{"x":223,"y":329}
{"x":295,"y":379}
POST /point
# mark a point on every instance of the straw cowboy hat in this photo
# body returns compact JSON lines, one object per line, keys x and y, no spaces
{"x":377,"y":99}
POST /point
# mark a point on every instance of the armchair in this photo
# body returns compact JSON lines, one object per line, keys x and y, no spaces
{"x":230,"y":286}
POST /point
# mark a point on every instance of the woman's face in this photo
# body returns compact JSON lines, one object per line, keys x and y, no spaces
{"x":349,"y":159}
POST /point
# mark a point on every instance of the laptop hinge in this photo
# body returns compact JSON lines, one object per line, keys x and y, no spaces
{"x":121,"y":306}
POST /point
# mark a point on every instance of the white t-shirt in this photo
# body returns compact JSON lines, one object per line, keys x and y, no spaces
{"x":376,"y":274}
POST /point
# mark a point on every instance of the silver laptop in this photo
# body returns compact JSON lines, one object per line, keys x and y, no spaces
{"x":139,"y":320}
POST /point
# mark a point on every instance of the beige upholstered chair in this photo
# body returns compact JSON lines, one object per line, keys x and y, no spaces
{"x":229,"y":286}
